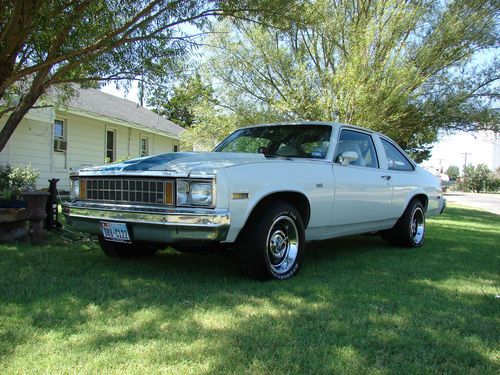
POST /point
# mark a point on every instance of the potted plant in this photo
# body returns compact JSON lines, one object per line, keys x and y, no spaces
{"x":13,"y":212}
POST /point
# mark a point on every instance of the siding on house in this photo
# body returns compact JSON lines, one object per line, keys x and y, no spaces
{"x":29,"y":144}
{"x":85,"y":134}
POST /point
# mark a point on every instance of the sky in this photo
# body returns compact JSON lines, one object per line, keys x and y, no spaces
{"x":131,"y":95}
{"x":452,"y":149}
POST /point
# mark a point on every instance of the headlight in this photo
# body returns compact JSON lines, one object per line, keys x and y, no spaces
{"x":182,"y":193}
{"x":75,"y":189}
{"x":201,"y":194}
{"x":194,"y":193}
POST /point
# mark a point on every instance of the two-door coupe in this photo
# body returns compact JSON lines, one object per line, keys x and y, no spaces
{"x":263,"y":191}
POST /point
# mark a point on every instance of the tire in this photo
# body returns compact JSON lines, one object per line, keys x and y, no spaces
{"x":409,"y":231}
{"x":272,"y":243}
{"x":127,"y":250}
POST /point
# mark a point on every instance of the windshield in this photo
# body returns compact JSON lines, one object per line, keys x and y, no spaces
{"x":295,"y":141}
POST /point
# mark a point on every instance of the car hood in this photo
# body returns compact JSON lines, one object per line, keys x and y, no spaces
{"x":178,"y":163}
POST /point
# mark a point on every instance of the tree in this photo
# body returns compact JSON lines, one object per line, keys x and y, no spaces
{"x":405,"y":68}
{"x":479,"y":178}
{"x":453,"y":172}
{"x":179,"y":105}
{"x":45,"y":43}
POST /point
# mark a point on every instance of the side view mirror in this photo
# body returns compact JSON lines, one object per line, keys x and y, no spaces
{"x":347,"y":156}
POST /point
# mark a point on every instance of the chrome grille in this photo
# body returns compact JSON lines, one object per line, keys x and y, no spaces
{"x":133,"y":190}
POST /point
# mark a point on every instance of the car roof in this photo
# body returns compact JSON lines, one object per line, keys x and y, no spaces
{"x":332,"y":124}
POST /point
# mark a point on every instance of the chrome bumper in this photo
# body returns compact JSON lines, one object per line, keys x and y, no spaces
{"x":150,"y":223}
{"x":442,"y":205}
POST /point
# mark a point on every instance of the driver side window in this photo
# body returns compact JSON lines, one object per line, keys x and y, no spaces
{"x":356,"y":148}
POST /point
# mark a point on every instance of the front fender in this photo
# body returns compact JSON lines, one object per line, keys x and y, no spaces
{"x":249,"y":184}
{"x":241,"y":209}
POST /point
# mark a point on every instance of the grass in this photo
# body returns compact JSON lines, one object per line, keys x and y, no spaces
{"x":358,"y":306}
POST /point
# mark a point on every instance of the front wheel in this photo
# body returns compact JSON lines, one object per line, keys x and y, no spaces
{"x":272,"y":244}
{"x":409,"y":231}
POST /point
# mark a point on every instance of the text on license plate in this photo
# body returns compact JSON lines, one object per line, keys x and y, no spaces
{"x":115,"y":231}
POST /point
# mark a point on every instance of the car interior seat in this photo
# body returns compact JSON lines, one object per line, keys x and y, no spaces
{"x":287,"y":150}
{"x":351,"y":146}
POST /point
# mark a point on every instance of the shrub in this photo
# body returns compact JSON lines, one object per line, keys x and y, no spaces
{"x":23,"y":179}
{"x":479,"y":178}
{"x":453,"y":172}
{"x":4,"y":177}
{"x":492,"y":184}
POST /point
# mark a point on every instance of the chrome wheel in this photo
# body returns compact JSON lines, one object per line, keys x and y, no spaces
{"x":409,"y":230}
{"x":271,"y":246}
{"x":417,"y":226}
{"x":282,"y":244}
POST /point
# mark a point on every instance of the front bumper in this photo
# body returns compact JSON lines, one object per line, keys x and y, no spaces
{"x":151,"y":223}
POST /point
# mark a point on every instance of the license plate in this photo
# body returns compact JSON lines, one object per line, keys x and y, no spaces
{"x":117,"y":232}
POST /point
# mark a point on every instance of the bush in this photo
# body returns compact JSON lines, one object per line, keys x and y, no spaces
{"x":453,"y":172}
{"x":23,"y":179}
{"x":4,"y":178}
{"x":479,"y":178}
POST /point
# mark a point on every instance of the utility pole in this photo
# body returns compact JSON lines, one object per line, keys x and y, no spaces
{"x":440,"y":165}
{"x":465,"y":157}
{"x":465,"y":165}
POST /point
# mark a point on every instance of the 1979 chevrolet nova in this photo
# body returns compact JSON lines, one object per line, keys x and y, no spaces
{"x":265,"y":189}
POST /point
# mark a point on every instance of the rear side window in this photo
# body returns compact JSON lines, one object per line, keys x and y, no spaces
{"x":395,"y":159}
{"x":361,"y":144}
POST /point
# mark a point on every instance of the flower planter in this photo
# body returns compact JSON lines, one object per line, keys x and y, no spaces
{"x":4,"y":203}
{"x":36,"y":201}
{"x":13,"y":223}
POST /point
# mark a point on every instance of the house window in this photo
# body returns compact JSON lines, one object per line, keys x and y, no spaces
{"x":144,"y":146}
{"x":110,"y":145}
{"x":176,"y":148}
{"x":59,"y":132}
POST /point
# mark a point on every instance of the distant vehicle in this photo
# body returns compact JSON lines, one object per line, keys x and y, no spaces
{"x":263,"y":191}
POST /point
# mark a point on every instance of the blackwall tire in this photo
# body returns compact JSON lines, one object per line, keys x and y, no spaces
{"x":272,"y":243}
{"x":409,"y":231}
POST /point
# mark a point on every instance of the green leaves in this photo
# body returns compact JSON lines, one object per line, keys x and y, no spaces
{"x":55,"y":42}
{"x":403,"y":68}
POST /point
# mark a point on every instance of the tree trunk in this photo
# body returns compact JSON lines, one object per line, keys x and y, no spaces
{"x":37,"y":88}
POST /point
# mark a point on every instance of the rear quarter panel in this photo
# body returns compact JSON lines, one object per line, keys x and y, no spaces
{"x":406,"y":185}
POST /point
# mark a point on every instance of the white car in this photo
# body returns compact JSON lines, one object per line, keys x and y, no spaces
{"x":263,"y":192}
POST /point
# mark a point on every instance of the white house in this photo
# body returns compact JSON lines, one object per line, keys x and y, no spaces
{"x":90,"y":129}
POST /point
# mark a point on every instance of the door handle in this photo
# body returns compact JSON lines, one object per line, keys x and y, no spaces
{"x":387,"y":177}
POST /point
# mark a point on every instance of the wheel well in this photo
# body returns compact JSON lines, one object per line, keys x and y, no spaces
{"x":423,"y":199}
{"x":298,"y":200}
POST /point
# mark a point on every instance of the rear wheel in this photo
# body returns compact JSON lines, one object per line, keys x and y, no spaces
{"x":127,"y":250}
{"x":272,"y":244}
{"x":409,"y":231}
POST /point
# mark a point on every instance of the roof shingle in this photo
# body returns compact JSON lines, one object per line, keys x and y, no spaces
{"x":101,"y":103}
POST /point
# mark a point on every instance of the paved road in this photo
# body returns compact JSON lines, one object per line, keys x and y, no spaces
{"x":488,"y":202}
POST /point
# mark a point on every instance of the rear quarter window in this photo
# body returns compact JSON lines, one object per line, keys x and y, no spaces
{"x":396,"y":160}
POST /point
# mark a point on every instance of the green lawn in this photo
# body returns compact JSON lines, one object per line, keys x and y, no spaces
{"x":358,"y":306}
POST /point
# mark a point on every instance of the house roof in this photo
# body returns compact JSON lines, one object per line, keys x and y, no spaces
{"x":100,"y":103}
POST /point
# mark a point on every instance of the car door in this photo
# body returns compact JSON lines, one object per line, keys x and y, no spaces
{"x":362,"y":189}
{"x":403,"y":176}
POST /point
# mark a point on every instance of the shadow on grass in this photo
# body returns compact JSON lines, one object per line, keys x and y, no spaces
{"x":358,"y":306}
